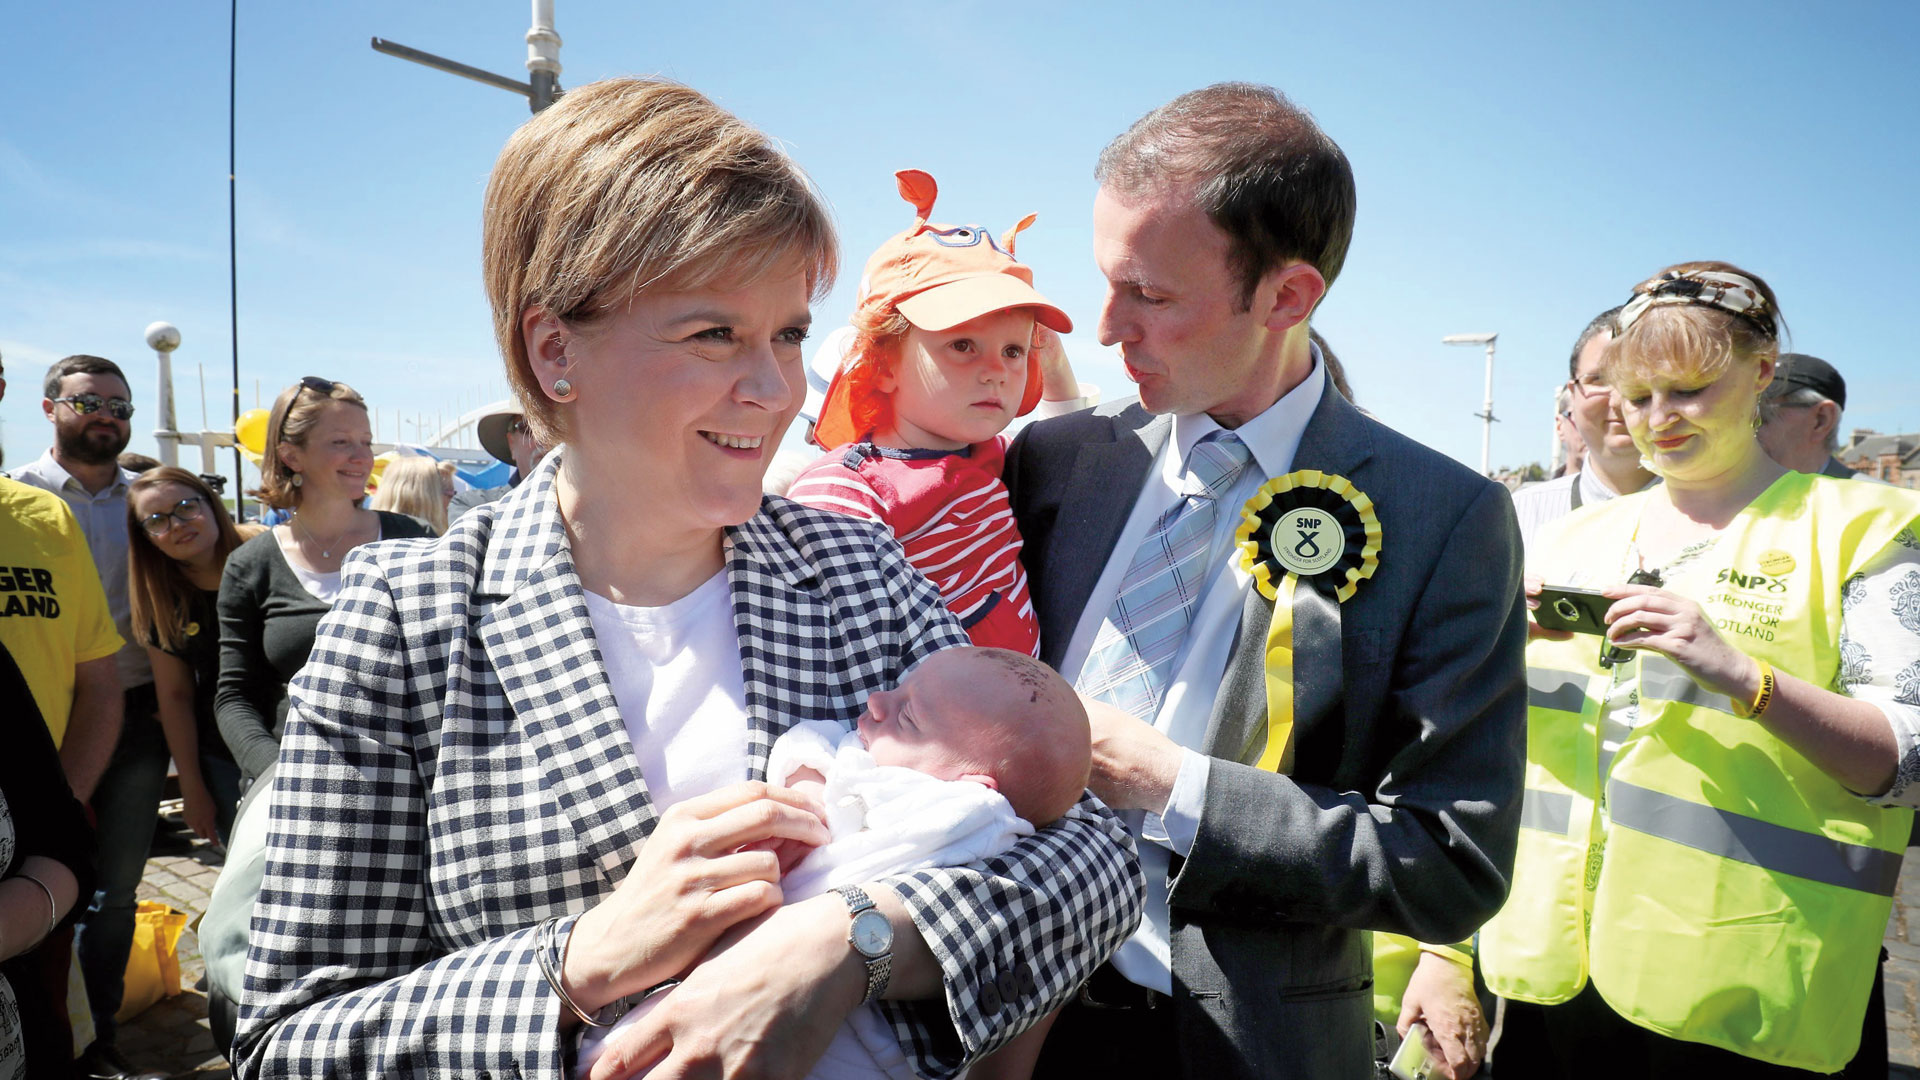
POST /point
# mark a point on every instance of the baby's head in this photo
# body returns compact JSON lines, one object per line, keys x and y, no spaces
{"x":997,"y":717}
{"x":944,"y":324}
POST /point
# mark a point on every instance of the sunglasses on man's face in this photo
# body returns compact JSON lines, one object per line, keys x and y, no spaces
{"x":188,"y":509}
{"x":88,"y":404}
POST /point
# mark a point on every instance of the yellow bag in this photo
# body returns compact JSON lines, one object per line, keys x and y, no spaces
{"x":153,"y":966}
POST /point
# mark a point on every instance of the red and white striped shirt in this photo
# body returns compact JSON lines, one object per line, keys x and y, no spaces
{"x":950,"y":511}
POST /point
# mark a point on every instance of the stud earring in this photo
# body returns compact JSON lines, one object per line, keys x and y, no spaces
{"x":298,"y":480}
{"x":562,"y":389}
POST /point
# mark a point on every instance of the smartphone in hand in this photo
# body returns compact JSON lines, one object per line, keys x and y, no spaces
{"x":1580,"y":611}
{"x":1412,"y":1061}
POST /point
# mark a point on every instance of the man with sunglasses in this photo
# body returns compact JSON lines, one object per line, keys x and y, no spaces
{"x":504,"y":434}
{"x":119,"y":766}
{"x":1612,"y":463}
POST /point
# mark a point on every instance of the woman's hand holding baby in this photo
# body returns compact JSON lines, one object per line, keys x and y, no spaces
{"x":767,"y":998}
{"x":704,"y":870}
{"x":811,"y":784}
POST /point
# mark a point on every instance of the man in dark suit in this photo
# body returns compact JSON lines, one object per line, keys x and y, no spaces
{"x":1392,"y":801}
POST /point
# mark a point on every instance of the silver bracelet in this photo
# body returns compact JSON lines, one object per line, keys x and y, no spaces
{"x":53,"y":908}
{"x":543,"y":948}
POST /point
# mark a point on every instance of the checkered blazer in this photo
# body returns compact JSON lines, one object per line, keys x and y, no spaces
{"x":455,"y":770}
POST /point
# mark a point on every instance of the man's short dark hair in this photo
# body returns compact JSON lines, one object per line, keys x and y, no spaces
{"x":1601,"y":324}
{"x":1261,"y":170}
{"x":81,"y":364}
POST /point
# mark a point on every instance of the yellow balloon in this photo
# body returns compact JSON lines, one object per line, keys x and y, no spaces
{"x":251,"y":430}
{"x":379,"y":470}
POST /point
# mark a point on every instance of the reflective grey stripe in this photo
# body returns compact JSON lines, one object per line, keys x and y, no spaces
{"x":1661,"y":678}
{"x":1753,"y":841}
{"x":1548,"y":811}
{"x":1562,"y":690}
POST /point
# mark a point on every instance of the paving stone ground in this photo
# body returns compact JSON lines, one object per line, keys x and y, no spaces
{"x":173,"y":1035}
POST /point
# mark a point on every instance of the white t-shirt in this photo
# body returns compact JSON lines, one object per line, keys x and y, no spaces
{"x":676,"y":676}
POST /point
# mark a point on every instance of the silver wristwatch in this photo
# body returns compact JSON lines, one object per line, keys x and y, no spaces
{"x":871,"y":935}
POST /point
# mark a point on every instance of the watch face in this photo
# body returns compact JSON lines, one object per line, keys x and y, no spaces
{"x":872,"y":934}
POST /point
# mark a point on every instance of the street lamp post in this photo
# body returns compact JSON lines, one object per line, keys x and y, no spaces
{"x":1486,"y":413}
{"x":163,"y":338}
{"x":543,"y":61}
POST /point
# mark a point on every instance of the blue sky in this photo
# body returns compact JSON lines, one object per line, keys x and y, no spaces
{"x":1520,"y":167}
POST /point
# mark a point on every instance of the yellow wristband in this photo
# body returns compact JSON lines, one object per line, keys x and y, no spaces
{"x":1762,"y":697}
{"x":1461,"y":954}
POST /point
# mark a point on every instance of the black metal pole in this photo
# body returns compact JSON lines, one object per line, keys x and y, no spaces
{"x":233,"y":262}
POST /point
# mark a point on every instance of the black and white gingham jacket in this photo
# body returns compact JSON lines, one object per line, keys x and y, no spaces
{"x":455,"y":770}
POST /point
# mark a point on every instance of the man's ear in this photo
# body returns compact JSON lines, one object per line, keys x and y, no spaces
{"x":545,"y":338}
{"x":1287,"y":295}
{"x":982,"y":779}
{"x":1826,"y":419}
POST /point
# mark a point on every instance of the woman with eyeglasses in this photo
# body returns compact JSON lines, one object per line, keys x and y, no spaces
{"x":277,"y":586}
{"x":1718,"y":789}
{"x":180,"y":537}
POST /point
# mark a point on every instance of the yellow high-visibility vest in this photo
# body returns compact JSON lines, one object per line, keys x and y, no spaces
{"x":1713,"y":884}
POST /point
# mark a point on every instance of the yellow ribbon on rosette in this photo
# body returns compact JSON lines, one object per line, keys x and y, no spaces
{"x":1312,"y":527}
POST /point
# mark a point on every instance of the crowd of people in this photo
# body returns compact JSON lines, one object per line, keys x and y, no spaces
{"x":151,"y":633}
{"x":1223,"y":731}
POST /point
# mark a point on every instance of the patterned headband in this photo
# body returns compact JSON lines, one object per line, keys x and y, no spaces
{"x":1730,"y":293}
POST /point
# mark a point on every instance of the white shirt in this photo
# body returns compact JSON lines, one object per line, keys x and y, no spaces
{"x":1201,"y":664}
{"x":676,"y":676}
{"x":1537,"y":504}
{"x":103,"y":521}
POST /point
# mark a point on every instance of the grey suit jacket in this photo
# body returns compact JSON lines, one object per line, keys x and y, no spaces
{"x":1401,"y":810}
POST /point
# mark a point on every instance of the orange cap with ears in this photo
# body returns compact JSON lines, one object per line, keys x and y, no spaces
{"x":939,"y":276}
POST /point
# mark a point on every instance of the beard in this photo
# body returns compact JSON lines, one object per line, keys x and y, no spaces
{"x":93,"y":444}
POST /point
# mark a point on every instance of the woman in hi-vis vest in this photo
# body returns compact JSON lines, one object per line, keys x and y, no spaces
{"x":1714,"y":816}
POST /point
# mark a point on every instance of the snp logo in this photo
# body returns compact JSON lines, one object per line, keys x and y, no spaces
{"x":1760,"y":583}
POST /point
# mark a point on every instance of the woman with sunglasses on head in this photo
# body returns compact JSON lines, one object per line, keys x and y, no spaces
{"x":180,"y":537}
{"x":277,"y":586}
{"x":1716,"y":803}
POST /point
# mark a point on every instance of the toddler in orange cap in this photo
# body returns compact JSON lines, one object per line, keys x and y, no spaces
{"x":947,"y":332}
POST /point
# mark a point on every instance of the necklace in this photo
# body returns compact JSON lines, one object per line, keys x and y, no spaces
{"x":326,"y":550}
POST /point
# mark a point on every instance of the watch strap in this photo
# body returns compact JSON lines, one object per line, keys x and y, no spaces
{"x":879,"y":968}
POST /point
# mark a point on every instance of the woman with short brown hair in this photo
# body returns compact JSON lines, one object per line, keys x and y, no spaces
{"x":543,"y":738}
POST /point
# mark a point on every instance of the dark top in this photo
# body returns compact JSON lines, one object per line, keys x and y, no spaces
{"x":45,"y":820}
{"x":201,"y":651}
{"x":267,"y":625}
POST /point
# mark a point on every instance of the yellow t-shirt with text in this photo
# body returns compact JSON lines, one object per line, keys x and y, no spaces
{"x":53,"y":613}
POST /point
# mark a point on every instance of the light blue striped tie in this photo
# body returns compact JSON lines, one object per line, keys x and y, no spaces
{"x":1132,"y":656}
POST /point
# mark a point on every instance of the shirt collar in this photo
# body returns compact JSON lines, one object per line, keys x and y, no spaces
{"x":58,"y":475}
{"x":1595,"y":490}
{"x":1273,"y":436}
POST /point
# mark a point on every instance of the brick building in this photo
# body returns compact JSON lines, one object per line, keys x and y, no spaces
{"x":1893,"y":458}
